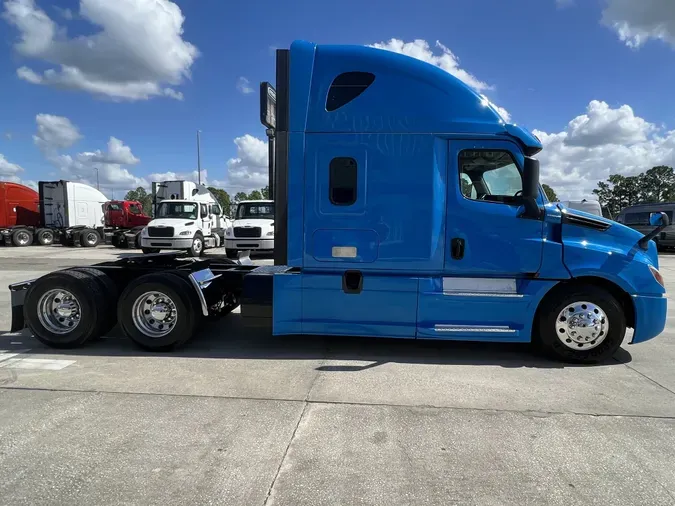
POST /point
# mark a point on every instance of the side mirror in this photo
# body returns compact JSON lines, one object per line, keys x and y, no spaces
{"x":531,"y":188}
{"x":659,"y":220}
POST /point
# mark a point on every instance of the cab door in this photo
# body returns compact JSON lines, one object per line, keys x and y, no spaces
{"x":206,"y":219}
{"x":486,"y":234}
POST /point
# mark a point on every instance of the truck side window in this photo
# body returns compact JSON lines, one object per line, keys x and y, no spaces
{"x":346,"y":87}
{"x":342,"y":181}
{"x":494,"y":176}
{"x":215,"y":209}
{"x":203,"y":210}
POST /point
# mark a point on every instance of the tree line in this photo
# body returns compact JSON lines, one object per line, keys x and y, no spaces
{"x":226,"y":201}
{"x":618,"y":192}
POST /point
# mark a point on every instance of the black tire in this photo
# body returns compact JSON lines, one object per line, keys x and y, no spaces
{"x":119,"y":241}
{"x":89,"y":238}
{"x":181,"y":293}
{"x":110,"y":293}
{"x":137,"y":240}
{"x":546,"y":325}
{"x":231,"y":253}
{"x":22,"y":237}
{"x":150,"y":251}
{"x":197,"y":248}
{"x":45,"y":237}
{"x":90,"y":297}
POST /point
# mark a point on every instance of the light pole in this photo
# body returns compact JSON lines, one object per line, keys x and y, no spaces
{"x":199,"y":160}
{"x":97,"y":185}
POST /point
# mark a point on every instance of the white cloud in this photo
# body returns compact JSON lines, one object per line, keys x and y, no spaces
{"x":9,"y":171}
{"x":446,"y":60}
{"x":55,"y":132}
{"x":244,"y":86}
{"x":637,"y":21}
{"x":601,"y":142}
{"x":117,"y":154}
{"x":136,"y":52}
{"x":603,"y":125}
{"x":249,"y":169}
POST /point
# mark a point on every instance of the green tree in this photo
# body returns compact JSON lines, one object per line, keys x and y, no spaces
{"x":550,"y":193}
{"x":255,"y":195}
{"x":659,"y":184}
{"x":265,"y":193}
{"x":140,"y":195}
{"x":222,"y":197}
{"x":240,"y":196}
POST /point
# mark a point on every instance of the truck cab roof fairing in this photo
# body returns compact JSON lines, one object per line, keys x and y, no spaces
{"x":407,"y":96}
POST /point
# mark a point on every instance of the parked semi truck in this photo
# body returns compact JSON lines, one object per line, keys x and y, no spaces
{"x":187,"y":217}
{"x":376,"y":236}
{"x":252,"y":228}
{"x":71,"y":213}
{"x":124,"y":221}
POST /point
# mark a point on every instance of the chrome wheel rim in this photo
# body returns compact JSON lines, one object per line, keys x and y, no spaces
{"x":154,"y":314}
{"x":59,"y":311}
{"x":47,"y":237}
{"x":91,"y":238}
{"x":197,"y":245}
{"x":22,"y":238}
{"x":582,"y":326}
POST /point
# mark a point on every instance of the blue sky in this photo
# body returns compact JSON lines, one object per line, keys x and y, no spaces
{"x":592,"y":77}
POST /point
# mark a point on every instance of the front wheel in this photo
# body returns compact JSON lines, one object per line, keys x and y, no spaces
{"x":585,"y":324}
{"x":197,"y":248}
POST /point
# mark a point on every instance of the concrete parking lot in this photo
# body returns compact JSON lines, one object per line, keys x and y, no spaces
{"x":239,"y":417}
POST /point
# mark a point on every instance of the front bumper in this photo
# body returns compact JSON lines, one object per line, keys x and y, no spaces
{"x":166,"y":242}
{"x":252,"y":244}
{"x":650,"y":317}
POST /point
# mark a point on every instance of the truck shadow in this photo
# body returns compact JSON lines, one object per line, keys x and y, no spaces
{"x":229,"y":339}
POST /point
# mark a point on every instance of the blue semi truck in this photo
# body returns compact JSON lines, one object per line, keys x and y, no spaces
{"x":404,"y":207}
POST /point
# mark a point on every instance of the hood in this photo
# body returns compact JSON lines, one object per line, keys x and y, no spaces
{"x":171,"y":222}
{"x":257,"y":222}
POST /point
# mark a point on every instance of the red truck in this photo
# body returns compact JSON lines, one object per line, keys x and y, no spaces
{"x":20,"y":222}
{"x":124,"y":220}
{"x":23,"y":221}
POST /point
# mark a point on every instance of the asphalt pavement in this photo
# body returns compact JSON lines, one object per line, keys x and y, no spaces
{"x":239,"y":417}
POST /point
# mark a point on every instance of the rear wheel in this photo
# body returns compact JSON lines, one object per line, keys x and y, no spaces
{"x":89,"y":238}
{"x":45,"y":237}
{"x":583,"y":324}
{"x":22,"y":237}
{"x":158,"y":311}
{"x":64,"y":309}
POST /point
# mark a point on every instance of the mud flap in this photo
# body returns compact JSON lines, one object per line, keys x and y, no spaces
{"x":18,"y":294}
{"x":244,"y":258}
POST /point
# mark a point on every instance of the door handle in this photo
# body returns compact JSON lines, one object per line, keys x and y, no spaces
{"x":457,"y":248}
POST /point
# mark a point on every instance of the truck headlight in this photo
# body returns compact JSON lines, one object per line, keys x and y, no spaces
{"x":185,"y":232}
{"x":228,"y":232}
{"x":657,"y":276}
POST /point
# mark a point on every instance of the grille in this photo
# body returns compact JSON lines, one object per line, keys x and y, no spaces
{"x":160,"y":231}
{"x":247,"y":232}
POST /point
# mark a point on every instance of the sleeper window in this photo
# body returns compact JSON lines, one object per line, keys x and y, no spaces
{"x":494,"y":176}
{"x":346,"y":87}
{"x":343,"y":179}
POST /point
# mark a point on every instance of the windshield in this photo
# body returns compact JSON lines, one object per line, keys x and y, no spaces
{"x":185,"y":210}
{"x":254,"y":210}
